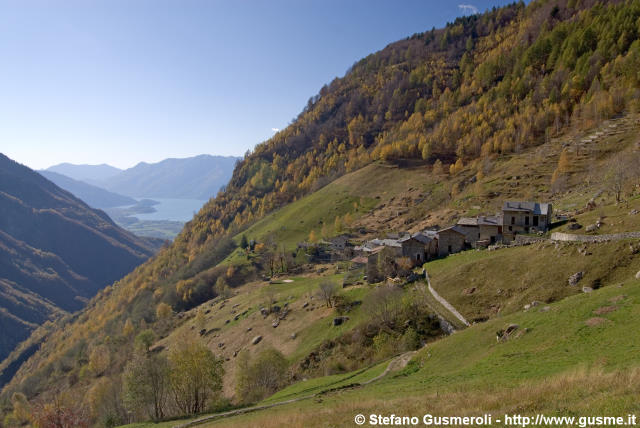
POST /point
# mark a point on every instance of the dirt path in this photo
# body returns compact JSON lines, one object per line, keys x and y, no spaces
{"x":395,"y":364}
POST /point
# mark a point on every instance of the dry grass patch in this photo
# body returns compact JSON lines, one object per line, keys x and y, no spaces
{"x":580,"y":392}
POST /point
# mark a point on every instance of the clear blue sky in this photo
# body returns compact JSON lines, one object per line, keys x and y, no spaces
{"x":124,"y":81}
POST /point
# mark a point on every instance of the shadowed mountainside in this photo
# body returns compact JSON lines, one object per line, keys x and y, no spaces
{"x":55,"y":252}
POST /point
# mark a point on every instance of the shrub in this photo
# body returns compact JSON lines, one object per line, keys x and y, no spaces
{"x":261,"y":377}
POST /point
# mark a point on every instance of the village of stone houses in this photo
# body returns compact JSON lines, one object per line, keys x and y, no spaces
{"x":517,"y":222}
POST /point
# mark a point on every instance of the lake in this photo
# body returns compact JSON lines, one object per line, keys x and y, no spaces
{"x":173,"y":209}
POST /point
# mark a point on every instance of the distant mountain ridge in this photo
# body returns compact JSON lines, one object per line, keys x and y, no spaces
{"x":198,"y":177}
{"x":94,"y":196}
{"x":55,"y":252}
{"x":87,"y":173}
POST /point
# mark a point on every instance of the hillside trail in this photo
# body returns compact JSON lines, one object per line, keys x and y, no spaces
{"x":395,"y":364}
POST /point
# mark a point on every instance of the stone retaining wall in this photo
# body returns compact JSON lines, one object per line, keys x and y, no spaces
{"x":568,"y":237}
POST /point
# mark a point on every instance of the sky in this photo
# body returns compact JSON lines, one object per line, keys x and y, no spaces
{"x":125,"y":81}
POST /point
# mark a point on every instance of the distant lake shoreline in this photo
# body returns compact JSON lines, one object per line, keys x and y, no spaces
{"x":156,"y":217}
{"x":173,"y":209}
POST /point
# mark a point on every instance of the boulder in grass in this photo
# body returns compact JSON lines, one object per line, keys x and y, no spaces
{"x":575,"y":278}
{"x":256,"y":340}
{"x":340,"y":320}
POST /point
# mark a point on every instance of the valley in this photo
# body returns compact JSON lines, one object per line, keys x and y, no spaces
{"x":451,"y":228}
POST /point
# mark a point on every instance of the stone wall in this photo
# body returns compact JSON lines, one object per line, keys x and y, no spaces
{"x":568,"y":237}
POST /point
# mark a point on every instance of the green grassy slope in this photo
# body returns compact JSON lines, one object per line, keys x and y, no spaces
{"x":487,"y":284}
{"x":578,"y":357}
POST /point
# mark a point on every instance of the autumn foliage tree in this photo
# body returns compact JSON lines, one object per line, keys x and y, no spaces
{"x":195,"y":376}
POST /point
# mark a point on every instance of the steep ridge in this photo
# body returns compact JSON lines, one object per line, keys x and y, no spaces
{"x":55,"y":252}
{"x":94,"y":196}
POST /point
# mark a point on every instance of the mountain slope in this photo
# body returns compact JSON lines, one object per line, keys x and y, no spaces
{"x":94,"y":196}
{"x":55,"y":251}
{"x":88,"y":173}
{"x":470,"y":114}
{"x":198,"y":177}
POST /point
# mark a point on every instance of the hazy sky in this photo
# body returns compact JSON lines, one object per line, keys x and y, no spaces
{"x":124,"y":81}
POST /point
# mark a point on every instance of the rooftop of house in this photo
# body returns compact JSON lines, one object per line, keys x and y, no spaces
{"x":456,"y":229}
{"x":532,"y":207}
{"x":359,"y":260}
{"x":421,"y":237}
{"x":468,"y":221}
{"x":490,"y":220}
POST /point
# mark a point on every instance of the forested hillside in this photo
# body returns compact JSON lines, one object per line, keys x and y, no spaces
{"x":55,"y":252}
{"x":454,"y":101}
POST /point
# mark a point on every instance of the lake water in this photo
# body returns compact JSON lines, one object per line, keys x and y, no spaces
{"x":173,"y":209}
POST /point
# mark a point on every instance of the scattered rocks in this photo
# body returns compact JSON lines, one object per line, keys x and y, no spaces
{"x":220,"y":345}
{"x":340,"y":320}
{"x":293,"y":336}
{"x":584,"y":251}
{"x":236,"y":318}
{"x":275,"y":309}
{"x":469,"y":291}
{"x":574,"y":226}
{"x":227,"y":321}
{"x":203,"y":332}
{"x":249,"y":328}
{"x":633,"y":212}
{"x":587,"y":289}
{"x":256,"y":340}
{"x":305,"y":304}
{"x":509,"y":332}
{"x":264,"y":312}
{"x":208,"y":311}
{"x":591,"y":228}
{"x":284,"y":314}
{"x":275,"y":324}
{"x":545,"y":309}
{"x":638,"y":275}
{"x":575,"y":278}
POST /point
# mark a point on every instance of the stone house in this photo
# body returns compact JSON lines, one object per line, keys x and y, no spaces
{"x":525,"y":217}
{"x":469,"y":226}
{"x":490,"y":230}
{"x":450,"y":240}
{"x":418,"y":247}
{"x":377,"y":259}
{"x":481,"y":231}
